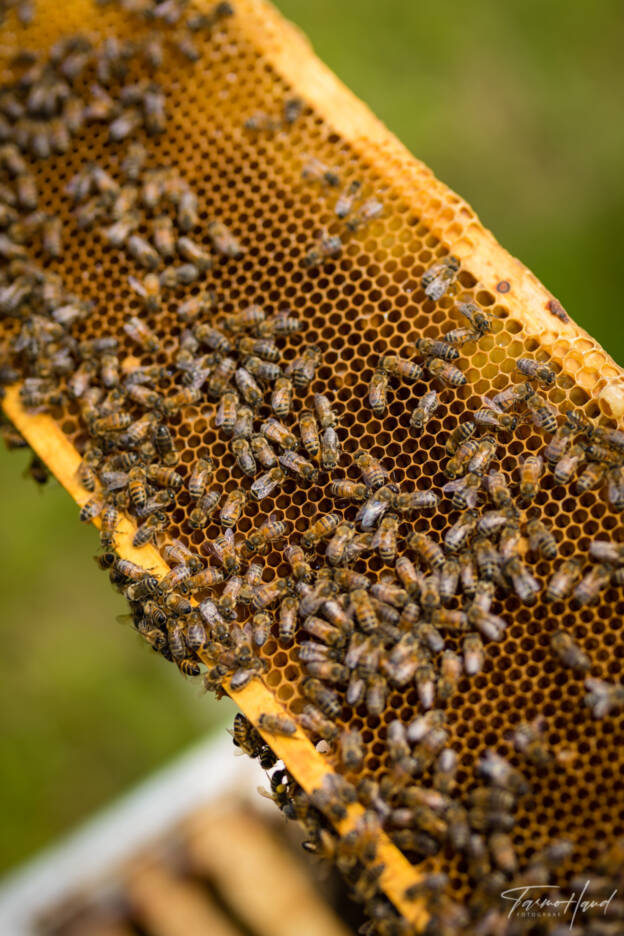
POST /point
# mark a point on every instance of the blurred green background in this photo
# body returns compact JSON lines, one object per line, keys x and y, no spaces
{"x":515,"y":105}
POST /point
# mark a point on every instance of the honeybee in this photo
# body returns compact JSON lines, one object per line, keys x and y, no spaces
{"x":462,"y":432}
{"x":542,"y":413}
{"x":316,"y":171}
{"x":600,"y":453}
{"x":109,"y":519}
{"x":224,"y":241}
{"x":261,"y":628}
{"x":487,"y":559}
{"x":563,"y":580}
{"x":541,"y":540}
{"x":363,"y":610}
{"x":266,"y":483}
{"x":324,"y":413}
{"x":146,"y":533}
{"x":464,"y":491}
{"x":607,"y":552}
{"x":425,"y":680}
{"x":164,"y":476}
{"x":277,"y":724}
{"x":345,"y":201}
{"x":145,"y":397}
{"x":447,"y":373}
{"x":401,"y":368}
{"x":569,"y":463}
{"x":85,"y":473}
{"x":133,"y":162}
{"x":302,"y":369}
{"x":233,"y":507}
{"x":139,"y":332}
{"x":351,"y":747}
{"x":137,"y":487}
{"x":328,"y":634}
{"x":491,"y":416}
{"x":200,"y":515}
{"x":298,"y":465}
{"x":246,"y":737}
{"x":615,"y":488}
{"x":513,"y":395}
{"x":335,"y":550}
{"x":224,"y":552}
{"x":428,"y":550}
{"x":320,"y":529}
{"x":594,"y":581}
{"x":276,"y":432}
{"x":244,"y":457}
{"x":527,"y":739}
{"x":325,"y":699}
{"x":536,"y":371}
{"x":479,"y":319}
{"x":474,"y":655}
{"x":389,"y":593}
{"x":227,"y":412}
{"x":503,"y":852}
{"x":525,"y":586}
{"x":243,"y":427}
{"x":176,"y":579}
{"x":456,"y":537}
{"x":280,"y":324}
{"x":480,"y":461}
{"x":440,"y":276}
{"x":378,"y":392}
{"x":373,"y":473}
{"x":219,"y":380}
{"x":312,"y":720}
{"x":530,"y":474}
{"x":309,"y":432}
{"x":498,"y":490}
{"x":271,"y":529}
{"x":501,"y":773}
{"x":328,"y":246}
{"x":385,"y":538}
{"x":204,"y":578}
{"x":113,"y":422}
{"x":262,"y":451}
{"x":263,"y":370}
{"x":568,"y":651}
{"x":52,"y":236}
{"x":416,"y":500}
{"x":201,"y":475}
{"x":511,"y":542}
{"x":194,"y":254}
{"x":259,"y":347}
{"x":458,"y":464}
{"x":493,"y":521}
{"x":115,"y":234}
{"x":187,"y":217}
{"x":247,"y":386}
{"x":603,"y":697}
{"x":287,"y":621}
{"x":330,"y":449}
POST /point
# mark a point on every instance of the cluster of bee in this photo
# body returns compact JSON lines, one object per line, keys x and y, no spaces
{"x":358,"y":640}
{"x":427,"y":818}
{"x":349,"y":207}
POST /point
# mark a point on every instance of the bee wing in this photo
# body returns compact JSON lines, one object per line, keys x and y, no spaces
{"x":491,"y":404}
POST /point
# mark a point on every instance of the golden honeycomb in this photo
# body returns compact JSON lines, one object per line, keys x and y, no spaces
{"x":363,"y":304}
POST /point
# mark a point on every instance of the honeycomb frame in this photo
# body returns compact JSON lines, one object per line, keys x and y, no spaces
{"x":371,"y":290}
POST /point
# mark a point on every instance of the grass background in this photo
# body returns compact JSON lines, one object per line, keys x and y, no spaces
{"x":515,"y":105}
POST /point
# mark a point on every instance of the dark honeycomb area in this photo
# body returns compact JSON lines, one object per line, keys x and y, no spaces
{"x":366,"y":303}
